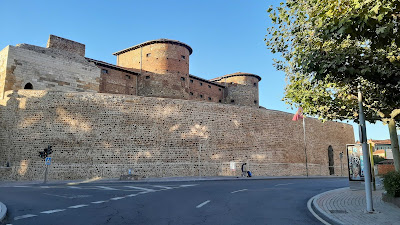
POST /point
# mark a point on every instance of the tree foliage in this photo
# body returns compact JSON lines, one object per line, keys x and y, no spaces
{"x":329,"y":47}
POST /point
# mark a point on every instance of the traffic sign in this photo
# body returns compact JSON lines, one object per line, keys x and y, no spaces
{"x":48,"y":161}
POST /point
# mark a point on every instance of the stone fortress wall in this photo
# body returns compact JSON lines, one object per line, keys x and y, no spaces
{"x":103,"y":119}
{"x":104,"y":135}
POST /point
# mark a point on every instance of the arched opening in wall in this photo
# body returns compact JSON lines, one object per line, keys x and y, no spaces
{"x":28,"y":86}
{"x":331,"y":162}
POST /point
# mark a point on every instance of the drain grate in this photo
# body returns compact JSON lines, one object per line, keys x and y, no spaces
{"x":337,"y":211}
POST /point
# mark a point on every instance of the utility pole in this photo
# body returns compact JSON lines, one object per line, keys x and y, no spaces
{"x":365,"y":150}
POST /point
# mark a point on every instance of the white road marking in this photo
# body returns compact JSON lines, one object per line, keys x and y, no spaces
{"x":107,"y":188}
{"x":44,"y":186}
{"x":132,"y":195}
{"x":21,"y":186}
{"x":140,"y":188}
{"x":238,"y":191}
{"x":24,"y":216}
{"x":283,"y":184}
{"x":73,"y":187}
{"x":98,"y":202}
{"x":164,"y":187}
{"x":117,"y":198}
{"x":188,"y":185}
{"x":202,"y":204}
{"x":53,"y":211}
{"x":314,"y":214}
{"x":77,"y":206}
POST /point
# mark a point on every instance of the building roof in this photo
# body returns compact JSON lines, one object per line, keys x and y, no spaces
{"x":207,"y":81}
{"x":112,"y":66}
{"x":235,"y":75}
{"x":162,"y":40}
{"x":380,"y":142}
{"x":380,"y":151}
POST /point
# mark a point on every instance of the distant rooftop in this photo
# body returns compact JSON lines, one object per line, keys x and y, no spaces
{"x":162,"y":40}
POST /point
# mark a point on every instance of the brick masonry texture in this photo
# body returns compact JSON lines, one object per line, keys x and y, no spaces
{"x":385,"y":168}
{"x":3,"y":69}
{"x":104,"y":135}
{"x":49,"y":69}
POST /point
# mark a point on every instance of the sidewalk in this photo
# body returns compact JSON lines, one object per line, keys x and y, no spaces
{"x":345,"y":206}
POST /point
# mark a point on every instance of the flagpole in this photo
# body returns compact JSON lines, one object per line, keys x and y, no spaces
{"x":305,"y":145}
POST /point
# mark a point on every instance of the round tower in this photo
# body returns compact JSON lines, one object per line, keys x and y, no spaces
{"x":242,"y":88}
{"x":163,"y":65}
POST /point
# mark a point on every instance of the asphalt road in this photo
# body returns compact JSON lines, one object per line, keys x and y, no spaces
{"x":278,"y":201}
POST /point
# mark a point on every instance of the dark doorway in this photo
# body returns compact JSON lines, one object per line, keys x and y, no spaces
{"x":28,"y":86}
{"x":331,"y":162}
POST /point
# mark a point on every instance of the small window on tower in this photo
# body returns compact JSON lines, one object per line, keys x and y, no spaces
{"x":201,"y":96}
{"x":201,"y":84}
{"x":128,"y":77}
{"x":148,"y":54}
{"x":183,"y":79}
{"x":183,"y":57}
{"x":220,"y":100}
{"x":209,"y":86}
{"x":191,"y":93}
{"x":219,"y":89}
{"x":104,"y":71}
{"x":147,"y":77}
{"x":209,"y":98}
{"x":255,"y":84}
{"x":255,"y":101}
{"x":232,"y":101}
{"x":191,"y":81}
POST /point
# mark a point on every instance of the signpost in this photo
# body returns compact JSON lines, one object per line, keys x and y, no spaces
{"x":47,"y":160}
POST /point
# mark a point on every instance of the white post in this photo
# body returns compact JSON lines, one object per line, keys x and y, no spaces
{"x":365,"y":150}
{"x":305,"y":145}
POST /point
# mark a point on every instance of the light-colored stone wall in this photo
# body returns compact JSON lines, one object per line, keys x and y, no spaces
{"x":105,"y":135}
{"x":50,"y":69}
{"x":3,"y":70}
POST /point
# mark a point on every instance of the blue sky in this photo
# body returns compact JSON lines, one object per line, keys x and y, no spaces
{"x":226,"y":36}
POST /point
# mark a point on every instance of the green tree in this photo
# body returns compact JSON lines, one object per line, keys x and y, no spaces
{"x":329,"y":48}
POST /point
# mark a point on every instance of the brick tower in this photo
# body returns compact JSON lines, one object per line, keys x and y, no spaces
{"x":163,"y":65}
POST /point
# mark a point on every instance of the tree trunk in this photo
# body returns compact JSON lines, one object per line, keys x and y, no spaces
{"x":395,"y":144}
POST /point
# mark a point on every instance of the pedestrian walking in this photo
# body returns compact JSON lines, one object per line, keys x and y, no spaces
{"x":244,"y":170}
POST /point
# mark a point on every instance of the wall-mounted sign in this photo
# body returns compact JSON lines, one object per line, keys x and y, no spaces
{"x":232,"y":166}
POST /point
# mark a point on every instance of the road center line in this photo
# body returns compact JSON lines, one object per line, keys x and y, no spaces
{"x":283,"y":184}
{"x":202,"y":204}
{"x":98,"y":202}
{"x":117,"y":198}
{"x":238,"y":191}
{"x":53,"y":211}
{"x":107,"y":188}
{"x":24,"y":216}
{"x":77,"y":206}
{"x":164,"y":187}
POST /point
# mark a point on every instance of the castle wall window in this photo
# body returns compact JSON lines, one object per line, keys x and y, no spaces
{"x":191,"y":93}
{"x":255,"y":101}
{"x":255,"y":84}
{"x":220,"y":100}
{"x":183,"y":57}
{"x":209,"y":86}
{"x":183,"y":79}
{"x":28,"y":86}
{"x":232,"y":101}
{"x":201,"y":84}
{"x":148,"y":54}
{"x":147,"y":77}
{"x":191,"y":81}
{"x":104,"y":71}
{"x":219,"y":89}
{"x":201,"y":96}
{"x":209,"y":98}
{"x":128,"y":77}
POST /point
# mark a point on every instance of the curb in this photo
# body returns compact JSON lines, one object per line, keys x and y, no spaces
{"x":3,"y":211}
{"x":319,"y":213}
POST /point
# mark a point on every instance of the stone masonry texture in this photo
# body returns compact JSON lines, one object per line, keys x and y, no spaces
{"x":49,"y":69}
{"x":95,"y":134}
{"x":66,"y":45}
